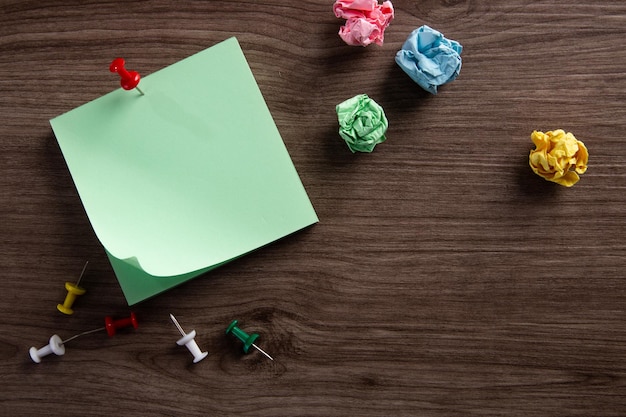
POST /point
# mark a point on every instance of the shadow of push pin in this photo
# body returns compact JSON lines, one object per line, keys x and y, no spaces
{"x":248,"y":340}
{"x":128,"y":79}
{"x":189,"y":341}
{"x":73,"y":291}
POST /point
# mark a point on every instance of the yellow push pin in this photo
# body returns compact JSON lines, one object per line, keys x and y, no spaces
{"x":73,"y":290}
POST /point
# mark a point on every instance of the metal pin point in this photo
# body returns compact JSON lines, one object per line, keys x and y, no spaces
{"x":80,"y":277}
{"x":262,"y":351}
{"x":177,"y":324}
{"x":188,"y":340}
{"x":248,"y":340}
{"x":99,"y":329}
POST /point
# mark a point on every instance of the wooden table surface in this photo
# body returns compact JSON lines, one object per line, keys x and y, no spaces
{"x":444,"y":277}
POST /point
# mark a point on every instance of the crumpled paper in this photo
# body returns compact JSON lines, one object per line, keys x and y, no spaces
{"x":362,"y":123}
{"x":429,"y":58}
{"x":555,"y":154}
{"x":366,"y":20}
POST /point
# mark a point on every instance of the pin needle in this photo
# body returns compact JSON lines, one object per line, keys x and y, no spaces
{"x":262,"y":351}
{"x":82,"y":273}
{"x":178,"y":326}
{"x":82,"y":334}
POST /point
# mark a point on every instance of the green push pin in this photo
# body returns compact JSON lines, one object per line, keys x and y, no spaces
{"x":248,"y":340}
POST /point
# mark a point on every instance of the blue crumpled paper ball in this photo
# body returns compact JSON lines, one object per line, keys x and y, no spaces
{"x":429,"y":58}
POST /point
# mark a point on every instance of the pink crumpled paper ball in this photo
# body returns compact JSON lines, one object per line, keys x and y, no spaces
{"x":366,"y":20}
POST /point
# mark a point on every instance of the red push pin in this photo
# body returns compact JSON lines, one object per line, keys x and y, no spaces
{"x":129,"y":79}
{"x":111,"y":325}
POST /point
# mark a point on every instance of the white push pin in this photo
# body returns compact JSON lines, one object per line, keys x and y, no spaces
{"x":188,"y":340}
{"x":55,"y":346}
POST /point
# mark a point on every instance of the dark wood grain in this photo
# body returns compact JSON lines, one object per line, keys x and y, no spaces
{"x":444,"y":277}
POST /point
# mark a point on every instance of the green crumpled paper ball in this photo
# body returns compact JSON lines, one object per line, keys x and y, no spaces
{"x":362,"y":123}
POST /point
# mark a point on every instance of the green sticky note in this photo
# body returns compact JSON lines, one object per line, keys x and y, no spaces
{"x":185,"y":178}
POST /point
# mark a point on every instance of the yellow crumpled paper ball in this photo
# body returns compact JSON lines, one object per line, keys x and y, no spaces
{"x":555,"y":154}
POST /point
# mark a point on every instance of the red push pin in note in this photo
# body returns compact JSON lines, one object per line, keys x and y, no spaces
{"x":129,"y":79}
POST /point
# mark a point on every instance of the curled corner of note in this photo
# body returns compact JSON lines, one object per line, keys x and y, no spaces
{"x":149,"y":269}
{"x":134,"y":262}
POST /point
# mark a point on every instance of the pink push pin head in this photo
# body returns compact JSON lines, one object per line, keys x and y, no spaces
{"x":128,"y":79}
{"x":112,"y":326}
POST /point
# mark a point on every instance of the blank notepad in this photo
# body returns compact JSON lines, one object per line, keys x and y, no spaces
{"x":185,"y":178}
